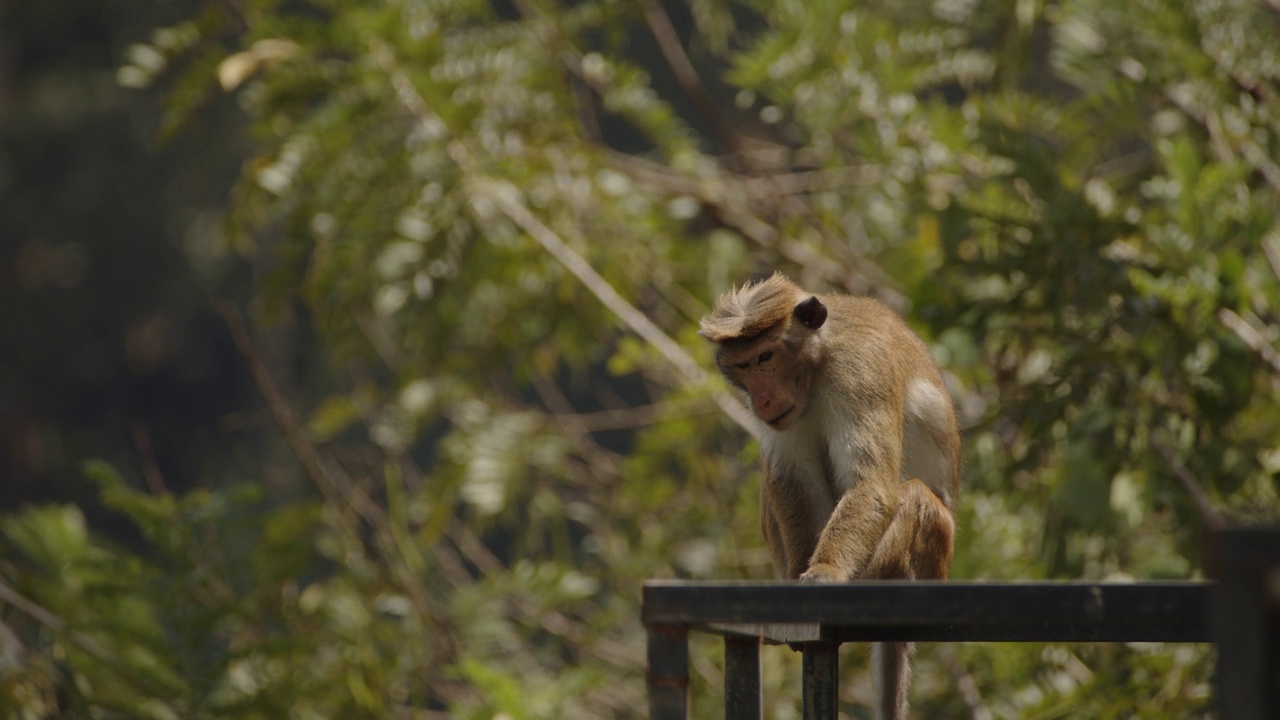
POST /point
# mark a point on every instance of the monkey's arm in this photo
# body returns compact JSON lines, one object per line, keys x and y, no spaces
{"x":867,"y":462}
{"x":772,"y":531}
{"x":847,"y":543}
{"x":791,"y":521}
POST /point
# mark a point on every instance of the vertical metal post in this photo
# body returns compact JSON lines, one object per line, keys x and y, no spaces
{"x":742,"y":678}
{"x":1245,"y":622}
{"x":821,"y":673}
{"x":668,"y":677}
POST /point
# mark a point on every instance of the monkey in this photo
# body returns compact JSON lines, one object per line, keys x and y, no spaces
{"x":859,"y":439}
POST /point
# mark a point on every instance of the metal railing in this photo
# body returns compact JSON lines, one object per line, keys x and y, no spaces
{"x":1240,"y":612}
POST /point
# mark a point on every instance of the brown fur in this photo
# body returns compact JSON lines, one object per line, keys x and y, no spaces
{"x":747,"y":311}
{"x":860,"y":442}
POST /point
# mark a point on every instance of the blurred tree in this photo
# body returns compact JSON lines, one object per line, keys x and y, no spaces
{"x":502,"y":222}
{"x":107,"y":347}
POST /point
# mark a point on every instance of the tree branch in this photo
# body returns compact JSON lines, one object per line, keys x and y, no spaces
{"x":88,"y":645}
{"x":1271,"y":252}
{"x":504,"y":196}
{"x":964,"y":683}
{"x":38,"y":612}
{"x":147,"y":456}
{"x":1250,"y":336}
{"x":1253,"y":153}
{"x":728,"y":197}
{"x":854,"y":274}
{"x":334,"y":492}
{"x":599,"y":461}
{"x":1212,"y":517}
{"x":633,"y":417}
{"x":281,"y":410}
{"x":655,"y":16}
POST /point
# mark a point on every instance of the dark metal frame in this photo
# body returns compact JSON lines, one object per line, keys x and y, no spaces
{"x":1245,"y":623}
{"x":1240,"y":613}
{"x":820,"y":617}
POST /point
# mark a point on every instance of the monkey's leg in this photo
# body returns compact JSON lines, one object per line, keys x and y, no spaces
{"x":919,"y":540}
{"x":917,"y":544}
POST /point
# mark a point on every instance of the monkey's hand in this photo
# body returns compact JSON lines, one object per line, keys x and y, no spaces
{"x":822,"y":574}
{"x":818,"y":574}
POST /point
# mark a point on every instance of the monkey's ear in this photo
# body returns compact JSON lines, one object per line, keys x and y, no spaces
{"x":811,"y":313}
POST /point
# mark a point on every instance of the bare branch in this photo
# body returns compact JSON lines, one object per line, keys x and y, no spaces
{"x":726,"y":200}
{"x":147,"y":456}
{"x":807,"y":181}
{"x":854,"y":274}
{"x":1253,"y":153}
{"x":505,"y":197}
{"x":45,"y":617}
{"x":628,"y":418}
{"x":334,"y":487}
{"x":1250,"y":336}
{"x":598,"y":460}
{"x":34,"y":610}
{"x":279,"y":407}
{"x":964,"y":683}
{"x":585,"y":110}
{"x":686,"y":76}
{"x":1212,"y":517}
{"x":1270,"y":251}
{"x":473,"y":549}
{"x":754,"y":188}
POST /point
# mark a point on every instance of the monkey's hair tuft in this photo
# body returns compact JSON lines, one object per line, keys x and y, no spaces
{"x":747,"y":311}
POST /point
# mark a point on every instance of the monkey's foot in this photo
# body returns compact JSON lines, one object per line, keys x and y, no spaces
{"x":822,"y":574}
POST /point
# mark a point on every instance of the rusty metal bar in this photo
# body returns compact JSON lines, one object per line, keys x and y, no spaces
{"x":821,"y":680}
{"x":668,"y":676}
{"x":742,"y":678}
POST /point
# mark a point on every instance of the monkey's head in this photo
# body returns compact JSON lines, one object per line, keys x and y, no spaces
{"x":766,"y":333}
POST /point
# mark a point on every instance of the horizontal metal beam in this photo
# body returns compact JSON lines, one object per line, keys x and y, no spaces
{"x":961,"y":611}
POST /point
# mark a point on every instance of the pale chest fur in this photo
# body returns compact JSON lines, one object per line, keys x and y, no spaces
{"x":803,"y":458}
{"x":822,"y":455}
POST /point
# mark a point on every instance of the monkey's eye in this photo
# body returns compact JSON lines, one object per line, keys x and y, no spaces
{"x":743,"y":365}
{"x":765,"y":356}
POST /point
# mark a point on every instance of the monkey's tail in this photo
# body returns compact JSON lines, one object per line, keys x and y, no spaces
{"x":891,"y":664}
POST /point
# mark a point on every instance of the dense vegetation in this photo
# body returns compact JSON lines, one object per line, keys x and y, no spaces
{"x":485,"y":234}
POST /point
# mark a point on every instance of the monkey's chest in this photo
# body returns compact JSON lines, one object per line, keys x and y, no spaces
{"x":805,"y":472}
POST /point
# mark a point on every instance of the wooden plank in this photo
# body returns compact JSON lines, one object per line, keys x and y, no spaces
{"x":1246,"y":624}
{"x":742,"y":699}
{"x":668,"y":675}
{"x":821,"y":680}
{"x":974,"y":611}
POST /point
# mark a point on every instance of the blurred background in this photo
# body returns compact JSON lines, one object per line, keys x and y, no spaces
{"x":348,"y":363}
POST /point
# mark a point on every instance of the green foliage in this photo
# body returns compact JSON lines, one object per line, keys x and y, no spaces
{"x":1074,"y":202}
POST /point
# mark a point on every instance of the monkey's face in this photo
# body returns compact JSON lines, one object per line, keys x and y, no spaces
{"x":773,"y":366}
{"x":776,"y":381}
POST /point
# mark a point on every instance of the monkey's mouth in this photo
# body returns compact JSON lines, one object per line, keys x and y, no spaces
{"x":785,"y":413}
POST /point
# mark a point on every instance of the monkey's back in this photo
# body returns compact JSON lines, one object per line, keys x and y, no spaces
{"x":875,"y":358}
